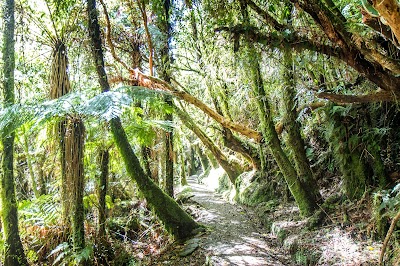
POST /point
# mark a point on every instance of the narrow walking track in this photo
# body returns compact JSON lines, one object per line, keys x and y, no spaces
{"x":234,"y":238}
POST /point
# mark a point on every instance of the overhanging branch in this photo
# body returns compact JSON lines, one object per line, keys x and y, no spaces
{"x":382,"y":96}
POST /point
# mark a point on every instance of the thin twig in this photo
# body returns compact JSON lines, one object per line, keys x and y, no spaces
{"x":109,"y":40}
{"x":142,"y":7}
{"x":388,"y":235}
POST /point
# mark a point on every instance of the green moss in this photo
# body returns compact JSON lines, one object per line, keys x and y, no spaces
{"x":381,"y":223}
{"x":175,"y":219}
{"x":305,"y":257}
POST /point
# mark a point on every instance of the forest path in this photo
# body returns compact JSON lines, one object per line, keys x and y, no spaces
{"x":234,"y":239}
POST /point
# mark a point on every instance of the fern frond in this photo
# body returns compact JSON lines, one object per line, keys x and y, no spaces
{"x":12,"y":117}
{"x":142,"y":93}
{"x":162,"y":124}
{"x":107,"y":105}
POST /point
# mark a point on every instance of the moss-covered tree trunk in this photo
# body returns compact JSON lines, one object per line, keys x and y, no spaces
{"x":294,"y":140}
{"x":232,"y":169}
{"x":183,"y":169}
{"x":175,"y":219}
{"x":102,"y":186}
{"x":13,"y":250}
{"x":305,"y":199}
{"x":349,"y":161}
{"x":169,"y":156}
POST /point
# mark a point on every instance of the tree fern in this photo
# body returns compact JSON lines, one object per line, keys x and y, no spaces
{"x":104,"y":106}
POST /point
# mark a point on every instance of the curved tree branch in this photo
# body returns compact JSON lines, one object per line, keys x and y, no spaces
{"x":156,"y":83}
{"x":108,"y":37}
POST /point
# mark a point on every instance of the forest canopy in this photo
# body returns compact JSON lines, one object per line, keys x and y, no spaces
{"x":108,"y":107}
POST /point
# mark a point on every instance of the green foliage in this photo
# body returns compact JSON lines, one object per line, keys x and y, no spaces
{"x":105,"y":106}
{"x":32,"y":256}
{"x":390,"y":201}
{"x":91,"y":200}
{"x":66,"y":256}
{"x":44,"y":210}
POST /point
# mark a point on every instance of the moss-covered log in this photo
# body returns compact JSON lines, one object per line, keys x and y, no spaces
{"x":175,"y":219}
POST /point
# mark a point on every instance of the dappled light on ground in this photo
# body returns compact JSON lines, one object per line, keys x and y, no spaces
{"x":233,"y":239}
{"x":338,"y":248}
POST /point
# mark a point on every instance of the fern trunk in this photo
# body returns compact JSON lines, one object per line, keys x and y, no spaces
{"x":75,"y":172}
{"x":13,"y":250}
{"x":175,"y":219}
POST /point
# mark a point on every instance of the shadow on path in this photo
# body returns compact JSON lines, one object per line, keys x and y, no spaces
{"x":234,"y":239}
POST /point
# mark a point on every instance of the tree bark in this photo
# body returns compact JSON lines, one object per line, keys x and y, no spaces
{"x":390,"y":11}
{"x":305,"y":199}
{"x":13,"y":250}
{"x":176,"y":220}
{"x":102,"y":186}
{"x":295,"y":141}
{"x":75,"y":141}
{"x":165,"y":74}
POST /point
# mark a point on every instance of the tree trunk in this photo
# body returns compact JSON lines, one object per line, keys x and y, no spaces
{"x":169,"y":157}
{"x":350,"y":164}
{"x":203,"y":159}
{"x":176,"y":220}
{"x":295,"y":141}
{"x":65,"y":182}
{"x":102,"y":186}
{"x":390,"y":11}
{"x":25,"y":145}
{"x":306,"y":201}
{"x":145,"y":152}
{"x":74,"y":144}
{"x":165,"y":27}
{"x":13,"y":250}
{"x":183,"y":171}
{"x":232,"y":169}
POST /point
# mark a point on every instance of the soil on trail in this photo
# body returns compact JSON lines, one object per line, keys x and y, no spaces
{"x":234,"y":238}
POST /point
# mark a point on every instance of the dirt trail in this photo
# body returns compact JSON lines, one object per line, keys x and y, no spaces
{"x":234,"y":238}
